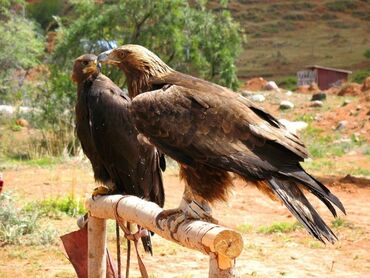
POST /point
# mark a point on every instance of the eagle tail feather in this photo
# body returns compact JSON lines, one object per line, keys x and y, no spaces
{"x":293,"y":198}
{"x":318,"y":189}
{"x":147,"y":243}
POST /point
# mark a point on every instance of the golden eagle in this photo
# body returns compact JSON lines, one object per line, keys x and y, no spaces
{"x":121,"y":162}
{"x":212,"y":131}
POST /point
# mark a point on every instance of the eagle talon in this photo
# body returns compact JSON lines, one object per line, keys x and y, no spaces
{"x":100,"y":190}
{"x":198,"y":211}
{"x":166,"y":214}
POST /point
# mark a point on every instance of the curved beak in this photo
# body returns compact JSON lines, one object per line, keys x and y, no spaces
{"x":103,"y":57}
{"x":108,"y":57}
{"x":93,"y":65}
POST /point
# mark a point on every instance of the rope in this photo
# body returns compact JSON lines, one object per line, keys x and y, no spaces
{"x":132,"y":237}
{"x":128,"y":254}
{"x":118,"y":250}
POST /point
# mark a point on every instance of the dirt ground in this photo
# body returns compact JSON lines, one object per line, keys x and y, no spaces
{"x":290,"y":254}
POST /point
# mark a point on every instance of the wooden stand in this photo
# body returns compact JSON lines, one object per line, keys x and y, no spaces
{"x":222,"y":244}
{"x":96,"y":263}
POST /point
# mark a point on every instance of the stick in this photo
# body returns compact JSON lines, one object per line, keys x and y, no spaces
{"x":97,"y":264}
{"x":205,"y":237}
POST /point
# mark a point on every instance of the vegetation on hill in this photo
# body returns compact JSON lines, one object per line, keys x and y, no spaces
{"x":42,"y":38}
{"x":284,"y":36}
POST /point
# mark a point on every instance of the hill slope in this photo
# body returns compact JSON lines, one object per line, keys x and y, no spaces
{"x":284,"y":36}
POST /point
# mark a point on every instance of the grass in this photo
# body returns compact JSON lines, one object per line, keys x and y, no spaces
{"x":279,"y":227}
{"x":32,"y":146}
{"x":332,"y":167}
{"x":54,"y":207}
{"x":321,"y":35}
{"x":43,"y":162}
{"x":288,"y":83}
{"x":360,"y":75}
{"x":341,"y":5}
{"x":19,"y":226}
{"x":341,"y":223}
{"x":244,"y":228}
{"x":321,"y":145}
{"x":358,"y":171}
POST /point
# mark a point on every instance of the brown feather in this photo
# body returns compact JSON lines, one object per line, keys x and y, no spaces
{"x":212,"y":131}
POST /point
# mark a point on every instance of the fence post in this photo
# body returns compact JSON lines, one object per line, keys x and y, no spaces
{"x":222,"y":244}
{"x":216,"y":272}
{"x":96,"y":236}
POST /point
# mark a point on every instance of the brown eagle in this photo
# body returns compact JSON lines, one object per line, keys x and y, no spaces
{"x":212,"y":131}
{"x":121,"y":162}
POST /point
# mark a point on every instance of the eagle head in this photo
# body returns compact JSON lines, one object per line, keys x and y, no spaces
{"x":139,"y":64}
{"x":85,"y":66}
{"x":135,"y":60}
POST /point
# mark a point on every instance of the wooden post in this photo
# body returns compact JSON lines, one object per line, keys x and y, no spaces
{"x":222,"y":244}
{"x":216,"y":272}
{"x":96,"y":236}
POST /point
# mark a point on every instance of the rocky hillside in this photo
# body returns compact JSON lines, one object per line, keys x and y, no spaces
{"x":284,"y":36}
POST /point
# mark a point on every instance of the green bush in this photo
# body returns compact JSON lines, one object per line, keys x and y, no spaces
{"x":288,"y":83}
{"x":21,"y":47}
{"x":44,"y":10}
{"x":341,"y":5}
{"x":364,"y":15}
{"x":280,"y":227}
{"x":360,"y":75}
{"x":56,"y":207}
{"x":367,"y":53}
{"x":14,"y":222}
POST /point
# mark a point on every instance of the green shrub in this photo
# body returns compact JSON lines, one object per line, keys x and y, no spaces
{"x":44,"y":10}
{"x":245,"y":228}
{"x":341,"y":25}
{"x":23,"y":226}
{"x":364,"y":15}
{"x":294,"y":16}
{"x":14,"y":222}
{"x":288,"y":83}
{"x":340,"y":222}
{"x":341,"y":5}
{"x":360,"y":75}
{"x":367,"y":53}
{"x":280,"y":227}
{"x":56,"y":207}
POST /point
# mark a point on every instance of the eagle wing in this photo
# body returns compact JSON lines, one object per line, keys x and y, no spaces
{"x":133,"y":165}
{"x":197,"y":122}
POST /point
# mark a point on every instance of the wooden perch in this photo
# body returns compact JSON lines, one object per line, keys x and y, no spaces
{"x":208,"y":238}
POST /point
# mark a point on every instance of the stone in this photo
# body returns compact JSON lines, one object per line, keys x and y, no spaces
{"x":346,"y":102}
{"x":366,"y":85}
{"x":257,"y":98}
{"x":286,"y":104}
{"x":246,"y":93}
{"x":318,"y":96}
{"x":271,"y":86}
{"x":22,"y":122}
{"x":293,"y":127}
{"x":316,"y":103}
{"x":341,"y":125}
{"x":289,"y":93}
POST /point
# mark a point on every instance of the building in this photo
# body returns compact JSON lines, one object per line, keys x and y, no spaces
{"x":324,"y":77}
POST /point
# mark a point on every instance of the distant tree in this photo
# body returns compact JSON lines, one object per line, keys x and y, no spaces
{"x":367,"y":53}
{"x":21,"y":49}
{"x":189,"y":37}
{"x":42,"y":11}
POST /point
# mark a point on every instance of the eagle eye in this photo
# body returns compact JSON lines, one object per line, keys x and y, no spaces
{"x":122,"y":54}
{"x":85,"y":63}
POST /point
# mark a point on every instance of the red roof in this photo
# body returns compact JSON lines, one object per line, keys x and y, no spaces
{"x":326,"y":68}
